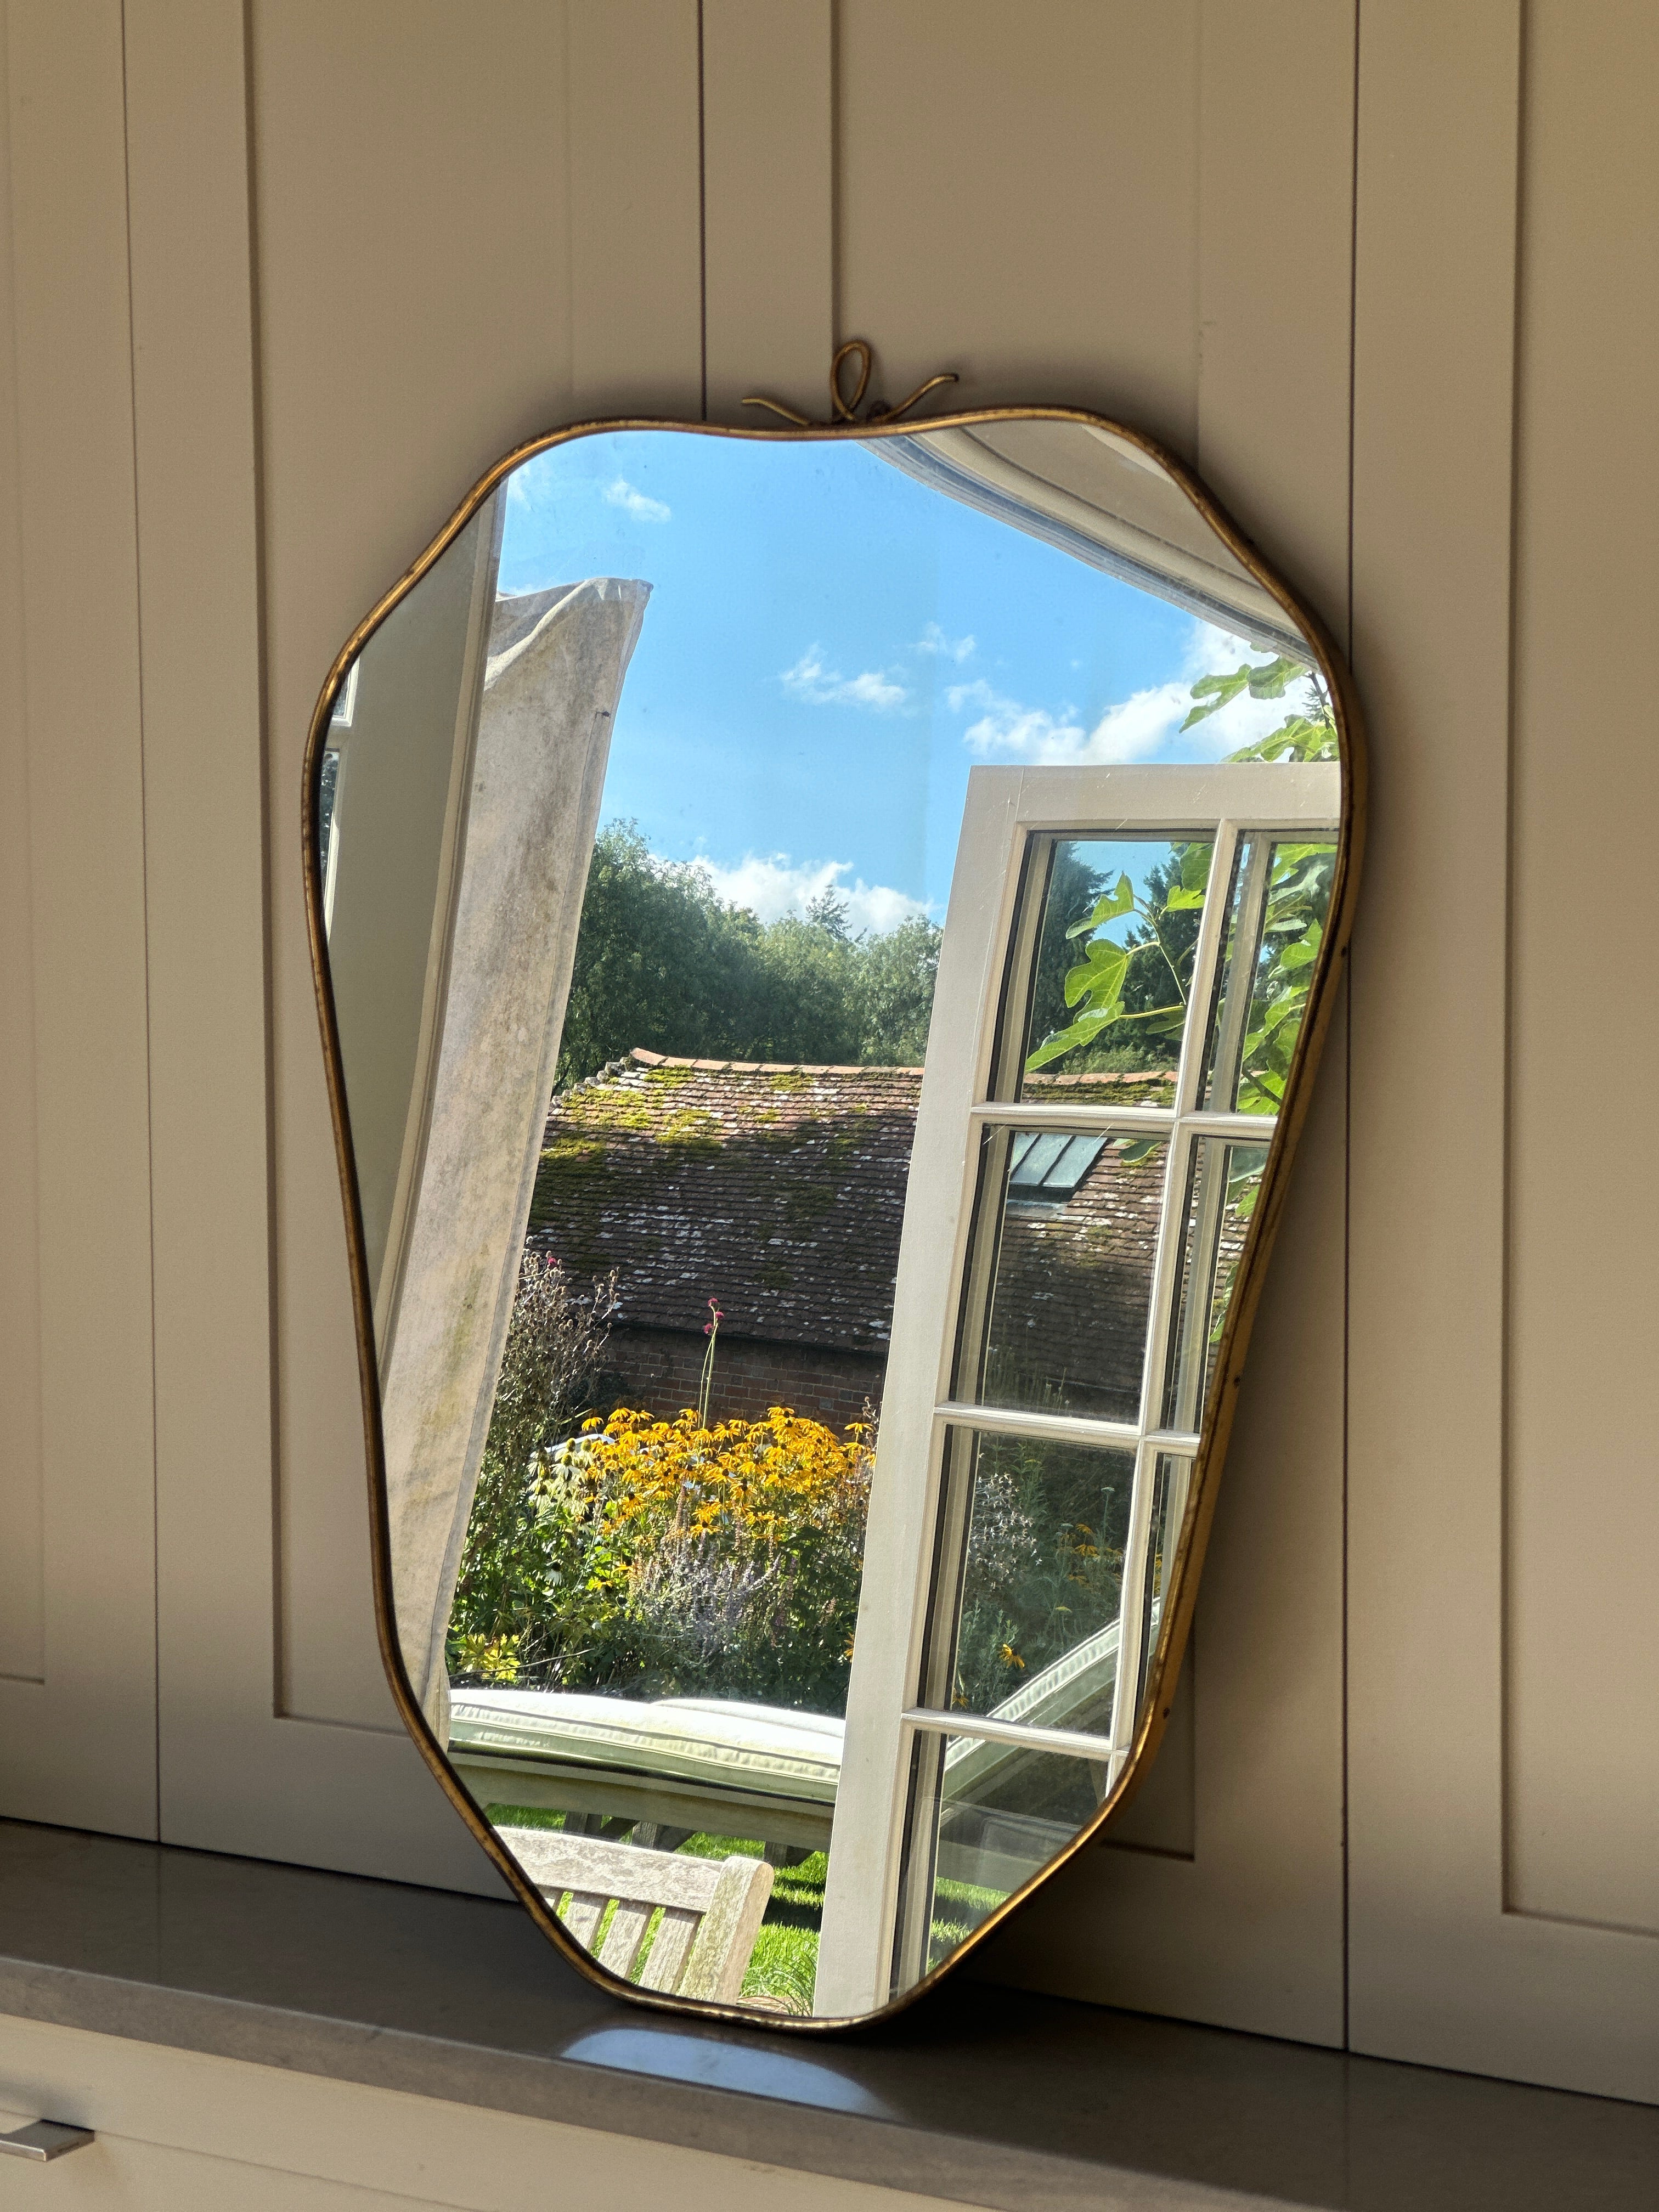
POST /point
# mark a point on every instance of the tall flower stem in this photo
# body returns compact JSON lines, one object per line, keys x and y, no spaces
{"x":711,"y":1329}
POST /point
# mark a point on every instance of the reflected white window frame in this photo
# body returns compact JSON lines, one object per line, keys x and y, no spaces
{"x":336,"y":738}
{"x":1007,"y":809}
{"x":344,"y":707}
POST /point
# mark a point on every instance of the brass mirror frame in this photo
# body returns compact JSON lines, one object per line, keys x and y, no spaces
{"x":1247,"y":1284}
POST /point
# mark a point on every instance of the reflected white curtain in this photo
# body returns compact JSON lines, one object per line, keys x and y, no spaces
{"x":533,"y":787}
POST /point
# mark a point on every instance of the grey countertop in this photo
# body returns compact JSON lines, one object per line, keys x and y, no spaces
{"x":982,"y":2096}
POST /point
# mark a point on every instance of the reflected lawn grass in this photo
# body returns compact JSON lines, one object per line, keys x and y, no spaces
{"x":783,"y":1964}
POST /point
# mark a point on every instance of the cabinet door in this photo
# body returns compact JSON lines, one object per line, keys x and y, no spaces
{"x":77,"y":1586}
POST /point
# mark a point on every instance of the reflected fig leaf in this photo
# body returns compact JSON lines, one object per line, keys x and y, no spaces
{"x":1100,"y":976}
{"x":1266,"y":681}
{"x":1084,"y":1031}
{"x":1296,"y":739}
{"x":1111,"y":906}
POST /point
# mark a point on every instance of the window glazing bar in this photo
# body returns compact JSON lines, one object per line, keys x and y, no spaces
{"x":1026,"y":1734}
{"x":1061,"y":1428}
{"x":1123,"y":1121}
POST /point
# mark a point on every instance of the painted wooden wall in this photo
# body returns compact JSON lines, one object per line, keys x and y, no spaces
{"x":276,"y":284}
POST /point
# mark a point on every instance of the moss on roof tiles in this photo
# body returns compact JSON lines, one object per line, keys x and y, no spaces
{"x":778,"y":1190}
{"x":715,"y":1180}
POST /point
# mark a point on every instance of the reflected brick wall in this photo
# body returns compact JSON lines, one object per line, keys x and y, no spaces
{"x":660,"y":1370}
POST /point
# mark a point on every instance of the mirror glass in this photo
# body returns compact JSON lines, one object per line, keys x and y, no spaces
{"x":819,"y":927}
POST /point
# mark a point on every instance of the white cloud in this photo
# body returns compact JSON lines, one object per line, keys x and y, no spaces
{"x":621,"y":493}
{"x":811,"y":679}
{"x":771,"y":885}
{"x":1006,"y":730}
{"x":1144,"y":726}
{"x":933,"y":640}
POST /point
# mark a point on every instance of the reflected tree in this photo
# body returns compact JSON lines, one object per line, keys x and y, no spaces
{"x":664,"y":962}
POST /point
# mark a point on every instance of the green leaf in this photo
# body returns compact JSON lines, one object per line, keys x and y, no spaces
{"x":1282,"y":1010}
{"x":1214,"y":692}
{"x":1268,"y":680}
{"x":1059,"y":1042}
{"x":1111,"y":906}
{"x":1100,"y":976}
{"x":1295,"y":739}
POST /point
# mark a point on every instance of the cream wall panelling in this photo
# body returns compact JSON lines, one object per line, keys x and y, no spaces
{"x":78,"y":1610}
{"x":178,"y":2130}
{"x":768,"y":205}
{"x":1587,"y":537}
{"x":433,"y":258}
{"x":1504,"y":1777}
{"x":335,"y":397}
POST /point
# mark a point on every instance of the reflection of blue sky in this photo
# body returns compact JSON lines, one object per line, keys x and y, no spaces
{"x":831,"y":646}
{"x":1111,"y":859}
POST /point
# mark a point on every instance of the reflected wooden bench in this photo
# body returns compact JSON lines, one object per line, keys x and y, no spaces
{"x":711,"y":1908}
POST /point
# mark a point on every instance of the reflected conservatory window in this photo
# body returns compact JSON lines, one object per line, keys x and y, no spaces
{"x":1153,"y":995}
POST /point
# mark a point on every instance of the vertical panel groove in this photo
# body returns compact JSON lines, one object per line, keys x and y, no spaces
{"x":702,"y":212}
{"x":143,"y":851}
{"x":1505,"y":1440}
{"x":22,"y":1562}
{"x":262,"y":689}
{"x":1347,"y":1096}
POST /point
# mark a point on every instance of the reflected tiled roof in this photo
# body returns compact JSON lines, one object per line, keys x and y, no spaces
{"x":778,"y":1190}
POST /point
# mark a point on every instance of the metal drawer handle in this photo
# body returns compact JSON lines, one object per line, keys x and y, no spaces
{"x":43,"y":2139}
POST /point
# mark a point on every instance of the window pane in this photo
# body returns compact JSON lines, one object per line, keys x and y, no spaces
{"x":1101,"y":969}
{"x":1060,"y":1273}
{"x":328,"y":780}
{"x":1171,"y":1486}
{"x":1276,"y":919}
{"x":1022,"y":1624}
{"x":983,"y":1818}
{"x":1230,"y":1001}
{"x":1222,"y":1185}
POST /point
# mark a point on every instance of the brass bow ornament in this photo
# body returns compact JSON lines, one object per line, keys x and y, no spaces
{"x":843,"y":412}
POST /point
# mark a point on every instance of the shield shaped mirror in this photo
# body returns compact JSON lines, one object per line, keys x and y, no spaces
{"x":824,"y":938}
